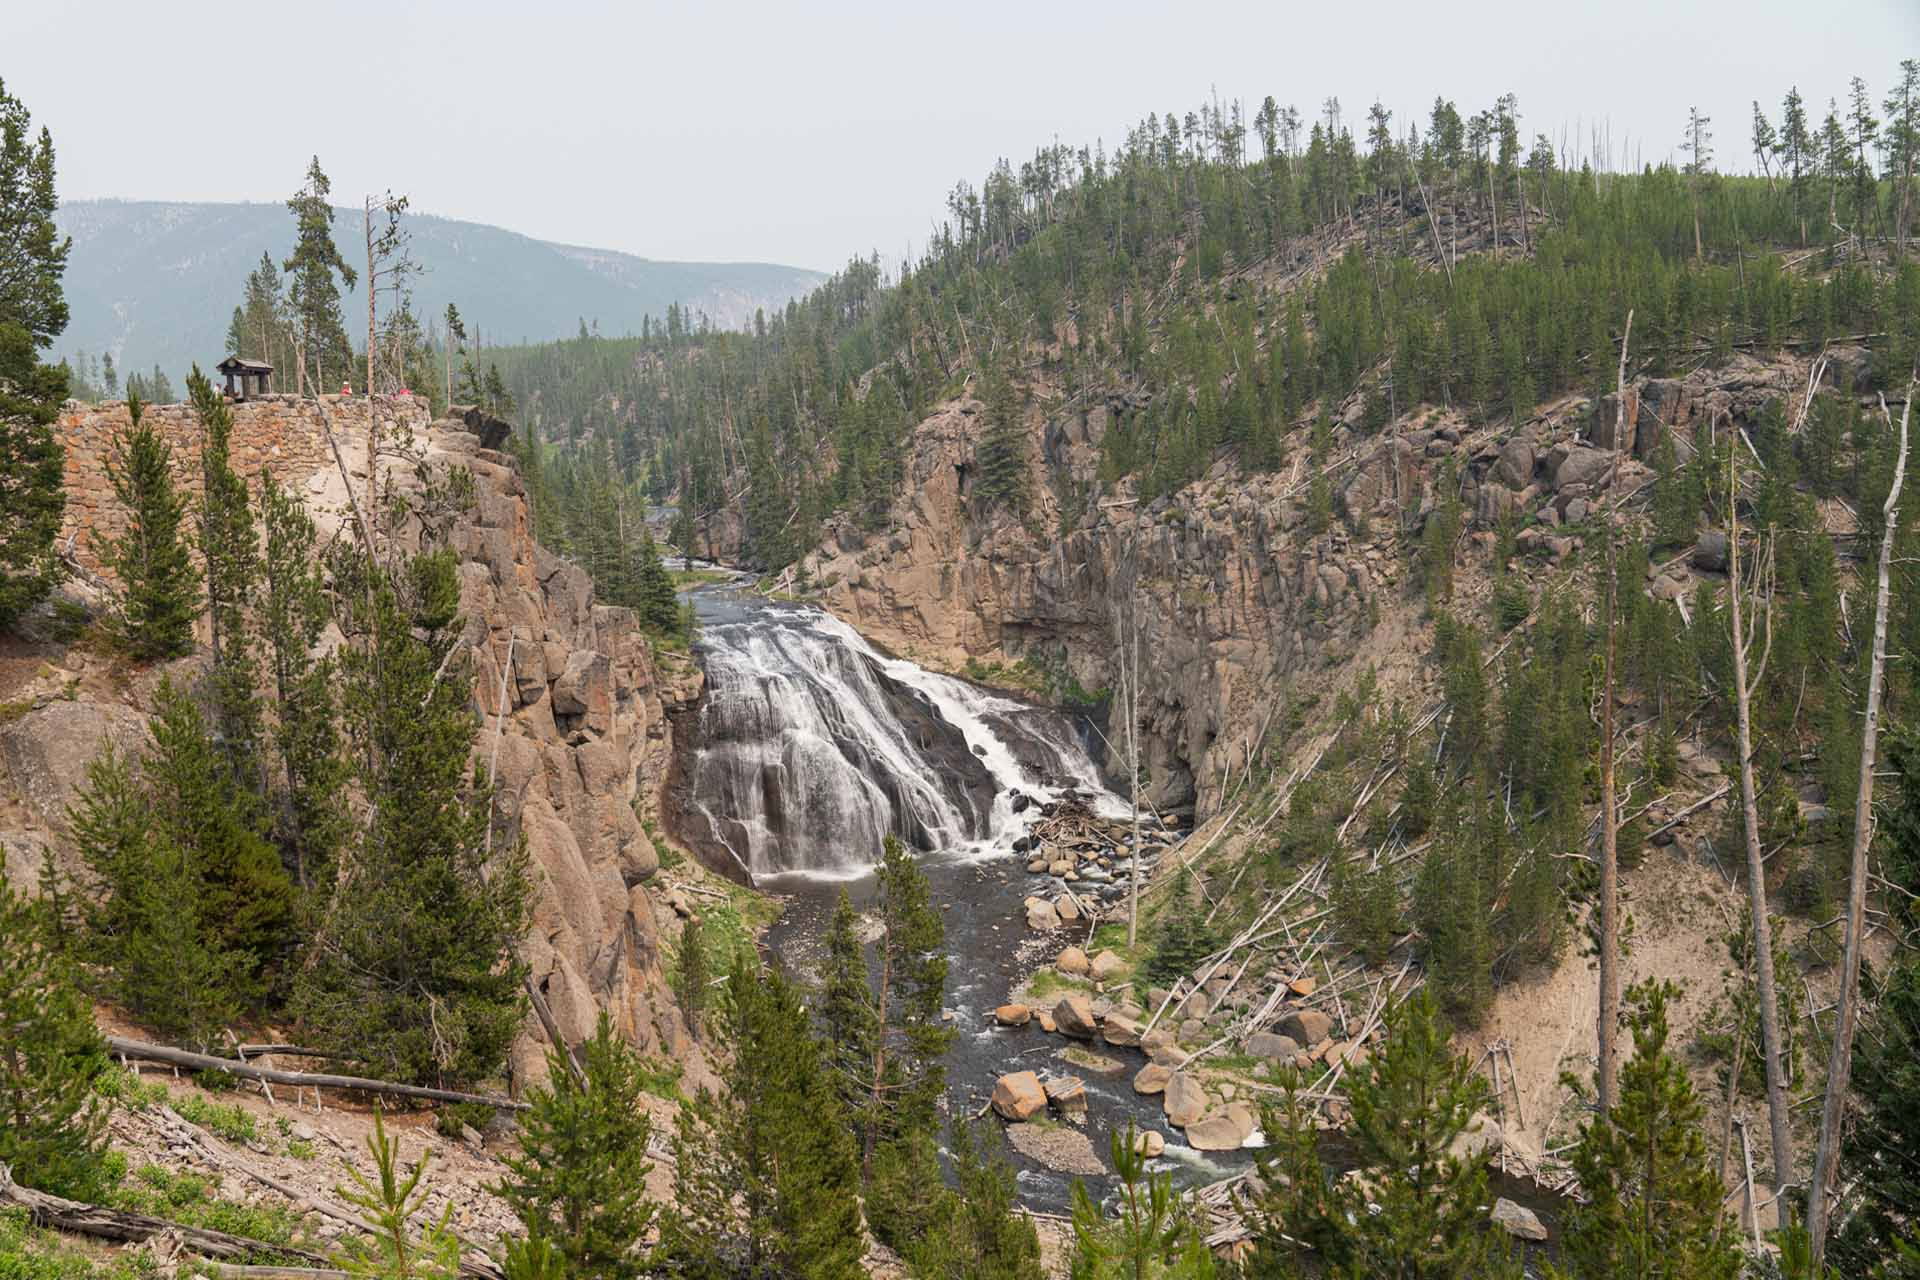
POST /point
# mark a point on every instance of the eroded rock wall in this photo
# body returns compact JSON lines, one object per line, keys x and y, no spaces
{"x":1243,"y":597}
{"x":576,"y":735}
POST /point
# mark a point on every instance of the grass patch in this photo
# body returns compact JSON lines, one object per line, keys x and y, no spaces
{"x":127,"y":1088}
{"x":194,"y":1200}
{"x":661,"y":1078}
{"x":1051,"y":982}
{"x":11,"y":711}
{"x":698,"y":577}
{"x":1021,"y":676}
{"x":28,"y":1253}
{"x":224,"y":1120}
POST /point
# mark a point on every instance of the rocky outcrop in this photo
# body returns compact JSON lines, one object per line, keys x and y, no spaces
{"x":571,"y":706}
{"x":1239,"y":590}
{"x":581,"y":744}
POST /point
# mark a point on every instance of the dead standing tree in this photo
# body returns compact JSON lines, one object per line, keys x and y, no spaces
{"x":390,"y":264}
{"x":1826,"y":1162}
{"x":1126,"y":635}
{"x":1609,"y":1012}
{"x":1744,"y":681}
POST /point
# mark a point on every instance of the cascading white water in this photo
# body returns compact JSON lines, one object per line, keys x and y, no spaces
{"x":813,"y":747}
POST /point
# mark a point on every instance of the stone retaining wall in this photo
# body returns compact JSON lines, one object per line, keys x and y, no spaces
{"x":282,"y":433}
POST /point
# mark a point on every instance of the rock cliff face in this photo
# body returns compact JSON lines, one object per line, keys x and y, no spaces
{"x":1240,"y":595}
{"x":576,"y":732}
{"x":581,"y":744}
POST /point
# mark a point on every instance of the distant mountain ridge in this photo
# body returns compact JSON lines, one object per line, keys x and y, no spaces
{"x":155,"y":282}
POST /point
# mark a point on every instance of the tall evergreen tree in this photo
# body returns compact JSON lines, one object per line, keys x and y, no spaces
{"x":767,"y":1175}
{"x":229,"y":552}
{"x":1650,"y":1199}
{"x":312,"y":295}
{"x":33,"y":311}
{"x":1421,"y":1213}
{"x":309,"y":823}
{"x":580,"y":1180}
{"x":414,"y":966}
{"x":656,"y":599}
{"x":194,"y":908}
{"x":1001,"y":457}
{"x":1151,"y":1239}
{"x":51,"y":1056}
{"x":156,"y":598}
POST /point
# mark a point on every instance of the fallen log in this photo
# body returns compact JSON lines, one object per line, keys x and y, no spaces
{"x":57,"y":1213}
{"x":240,"y":1271}
{"x":308,"y":1079}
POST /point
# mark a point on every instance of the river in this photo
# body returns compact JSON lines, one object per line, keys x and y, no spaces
{"x":810,"y":746}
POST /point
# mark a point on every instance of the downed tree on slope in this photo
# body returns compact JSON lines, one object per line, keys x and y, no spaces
{"x":309,"y":1079}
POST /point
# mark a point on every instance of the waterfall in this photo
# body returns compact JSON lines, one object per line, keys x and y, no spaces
{"x":811,"y":747}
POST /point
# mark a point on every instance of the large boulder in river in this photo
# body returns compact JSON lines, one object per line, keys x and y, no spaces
{"x":1072,"y":961}
{"x":1073,"y":1016}
{"x":1018,"y":1095}
{"x":1226,"y":1129}
{"x":1152,"y":1079}
{"x":1041,"y":916}
{"x":1518,"y":1220}
{"x":1186,"y":1100}
{"x":1118,"y":1029}
{"x":1013,"y":1015}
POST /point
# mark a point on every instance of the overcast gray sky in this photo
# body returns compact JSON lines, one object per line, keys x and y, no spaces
{"x":804,"y":133}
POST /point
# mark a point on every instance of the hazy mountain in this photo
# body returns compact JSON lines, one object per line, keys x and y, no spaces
{"x":156,"y":282}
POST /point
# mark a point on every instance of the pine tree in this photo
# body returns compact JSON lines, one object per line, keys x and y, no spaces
{"x":195,"y":909}
{"x":1650,"y":1198}
{"x":909,"y":1074}
{"x":849,"y":1025}
{"x":580,"y":1180}
{"x":156,"y":598}
{"x":691,"y":974}
{"x":390,"y":1201}
{"x":309,"y":824}
{"x":1152,"y":1239}
{"x":229,"y":550}
{"x":140,"y":927}
{"x":312,"y":295}
{"x":1001,"y":457}
{"x":767,"y":1175}
{"x":978,"y":1231}
{"x":51,"y":1057}
{"x":414,"y":967}
{"x":658,"y":602}
{"x":1424,"y":1217}
{"x":33,"y":312}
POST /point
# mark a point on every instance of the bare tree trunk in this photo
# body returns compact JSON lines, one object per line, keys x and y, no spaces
{"x":1826,"y":1163}
{"x":1608,"y":1016}
{"x":1764,"y":988}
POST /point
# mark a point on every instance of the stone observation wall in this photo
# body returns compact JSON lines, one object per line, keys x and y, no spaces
{"x":283,"y":434}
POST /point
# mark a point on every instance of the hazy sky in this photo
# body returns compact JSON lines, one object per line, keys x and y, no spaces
{"x":804,"y":133}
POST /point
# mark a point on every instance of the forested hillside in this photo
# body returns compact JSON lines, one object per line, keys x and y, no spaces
{"x":1374,"y":418}
{"x":1237,"y":278}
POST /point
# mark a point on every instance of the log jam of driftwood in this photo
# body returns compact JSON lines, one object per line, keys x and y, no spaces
{"x":308,"y":1079}
{"x":57,"y":1213}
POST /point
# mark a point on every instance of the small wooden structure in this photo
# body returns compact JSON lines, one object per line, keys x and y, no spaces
{"x":251,"y":373}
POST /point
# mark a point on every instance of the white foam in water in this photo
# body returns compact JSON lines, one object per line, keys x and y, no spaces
{"x":804,"y":767}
